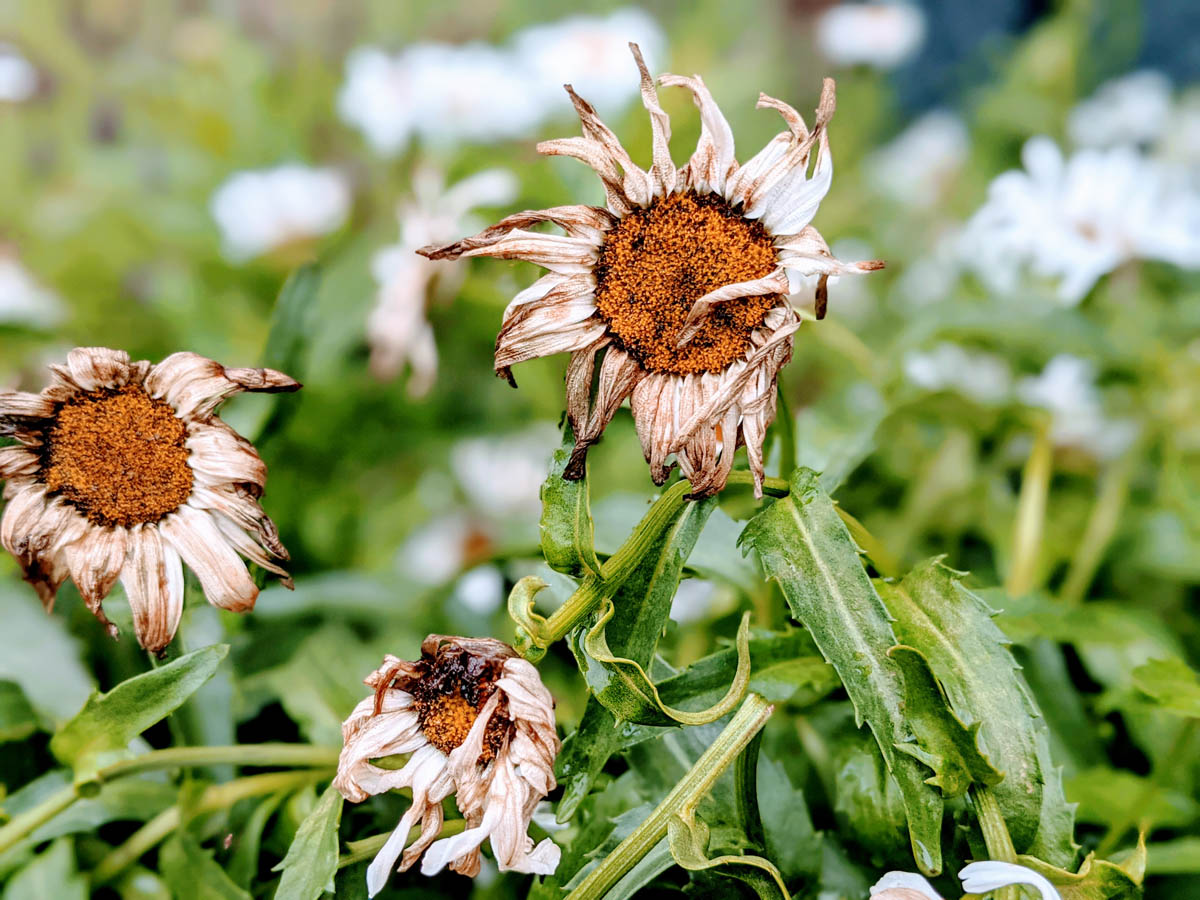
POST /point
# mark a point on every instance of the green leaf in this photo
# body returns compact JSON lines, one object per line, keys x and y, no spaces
{"x":243,"y":862}
{"x":567,"y":534}
{"x":792,"y":842}
{"x":945,"y":744}
{"x":191,"y":872}
{"x":688,"y":840}
{"x":102,"y":730}
{"x":17,"y":718}
{"x":1178,"y":857}
{"x":52,"y":874}
{"x":1171,"y":683}
{"x":954,"y":631}
{"x":805,"y":547}
{"x":311,"y":860}
{"x":1097,"y":879}
{"x":1115,"y":798}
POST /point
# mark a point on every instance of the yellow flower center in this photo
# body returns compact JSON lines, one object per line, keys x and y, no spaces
{"x":446,"y":720}
{"x":118,"y":456}
{"x":656,"y":262}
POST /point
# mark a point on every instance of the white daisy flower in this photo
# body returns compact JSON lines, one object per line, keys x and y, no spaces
{"x":982,"y":377}
{"x":882,"y":35}
{"x":378,"y":97}
{"x":262,"y":210}
{"x":916,"y":168}
{"x":1066,"y":388}
{"x":22,"y":300}
{"x":591,"y":53}
{"x":1075,"y":220}
{"x":398,"y":329}
{"x":478,"y":724}
{"x":18,"y":77}
{"x":1132,"y":109}
{"x":124,"y":471}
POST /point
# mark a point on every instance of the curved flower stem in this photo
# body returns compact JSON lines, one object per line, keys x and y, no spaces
{"x":219,"y":796}
{"x":995,"y":833}
{"x":745,"y":724}
{"x":32,"y":819}
{"x":294,"y":755}
{"x":357,"y":851}
{"x":1101,"y":526}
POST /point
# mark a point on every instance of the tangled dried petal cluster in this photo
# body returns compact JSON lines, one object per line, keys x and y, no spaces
{"x":478,"y":724}
{"x":122,"y":470}
{"x":678,"y":285}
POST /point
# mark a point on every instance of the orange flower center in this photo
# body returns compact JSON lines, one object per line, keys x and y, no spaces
{"x":118,"y":456}
{"x":656,"y":262}
{"x":446,"y":720}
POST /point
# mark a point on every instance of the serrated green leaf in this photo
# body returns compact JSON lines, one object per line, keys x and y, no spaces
{"x":805,"y":547}
{"x":1171,"y":683}
{"x":311,"y":860}
{"x":968,"y":654}
{"x":17,"y":718}
{"x":568,"y":541}
{"x":51,"y":874}
{"x":1097,"y":879}
{"x":191,"y":872}
{"x":945,"y":744}
{"x":102,"y":730}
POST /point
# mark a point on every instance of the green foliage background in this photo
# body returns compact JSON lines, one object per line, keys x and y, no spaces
{"x":105,"y":180}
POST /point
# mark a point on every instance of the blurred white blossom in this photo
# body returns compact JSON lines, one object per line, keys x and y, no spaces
{"x":591,"y":53}
{"x":982,"y":377}
{"x":22,"y":300}
{"x":1066,"y":388}
{"x":18,"y":77}
{"x":501,"y":474}
{"x":264,"y":209}
{"x":440,"y":549}
{"x":1132,"y":109}
{"x":1075,"y":220}
{"x":882,"y":35}
{"x":694,"y":601}
{"x":916,"y":167}
{"x":481,"y":590}
{"x":379,"y":98}
{"x":398,"y":328}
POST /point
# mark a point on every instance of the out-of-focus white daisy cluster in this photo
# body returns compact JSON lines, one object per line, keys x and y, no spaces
{"x":1067,"y":389}
{"x":1073,"y":219}
{"x":398,"y":328}
{"x":265,"y":209}
{"x":23,"y":301}
{"x":918,"y":166}
{"x":18,"y":77}
{"x":978,"y":375}
{"x":882,"y":35}
{"x":445,"y":94}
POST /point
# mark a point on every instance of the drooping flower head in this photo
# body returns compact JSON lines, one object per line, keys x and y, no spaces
{"x":123,"y":471}
{"x":681,"y":280}
{"x":479,"y":724}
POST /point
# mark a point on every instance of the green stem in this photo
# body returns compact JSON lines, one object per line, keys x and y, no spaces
{"x":357,"y":851}
{"x":785,"y":426}
{"x":742,"y":728}
{"x":995,"y":834}
{"x":219,"y":796}
{"x":1101,"y":526}
{"x":293,"y":755}
{"x":1031,"y":517}
{"x":32,"y":819}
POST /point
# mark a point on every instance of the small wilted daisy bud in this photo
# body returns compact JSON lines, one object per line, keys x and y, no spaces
{"x":123,"y":470}
{"x":479,"y":724}
{"x":675,"y":293}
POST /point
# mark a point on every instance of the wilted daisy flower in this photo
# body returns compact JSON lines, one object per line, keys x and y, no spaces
{"x":591,"y":53}
{"x":917,"y":166}
{"x":123,"y":471}
{"x":398,"y":329}
{"x":264,"y":210}
{"x":1132,"y":109}
{"x":480,"y":725}
{"x":1067,"y":390}
{"x":18,"y":77}
{"x":22,"y":299}
{"x":874,"y":34}
{"x":1076,"y":220}
{"x":682,"y":281}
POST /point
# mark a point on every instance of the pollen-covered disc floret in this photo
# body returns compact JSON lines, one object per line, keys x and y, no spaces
{"x":123,"y":471}
{"x":478,"y":724}
{"x":678,"y":286}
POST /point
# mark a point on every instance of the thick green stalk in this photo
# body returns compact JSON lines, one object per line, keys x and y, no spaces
{"x":1101,"y":526}
{"x":742,"y":728}
{"x":291,"y":755}
{"x":218,"y":796}
{"x":995,"y":833}
{"x":1031,"y":517}
{"x":32,"y":819}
